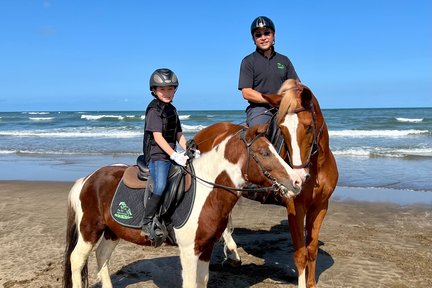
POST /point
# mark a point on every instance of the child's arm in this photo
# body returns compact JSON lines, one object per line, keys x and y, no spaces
{"x":163,"y":144}
{"x":181,"y":140}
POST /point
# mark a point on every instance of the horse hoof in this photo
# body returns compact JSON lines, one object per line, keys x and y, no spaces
{"x":232,"y":263}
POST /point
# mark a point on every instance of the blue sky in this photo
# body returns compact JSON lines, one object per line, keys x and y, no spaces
{"x":98,"y":55}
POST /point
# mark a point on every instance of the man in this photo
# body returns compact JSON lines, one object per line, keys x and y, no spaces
{"x":263,"y":72}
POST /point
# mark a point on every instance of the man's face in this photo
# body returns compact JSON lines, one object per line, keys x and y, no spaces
{"x":263,"y":38}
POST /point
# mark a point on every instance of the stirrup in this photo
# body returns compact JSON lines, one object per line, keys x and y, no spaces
{"x":158,"y":232}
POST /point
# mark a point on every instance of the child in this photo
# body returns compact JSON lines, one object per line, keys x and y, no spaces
{"x":162,"y":131}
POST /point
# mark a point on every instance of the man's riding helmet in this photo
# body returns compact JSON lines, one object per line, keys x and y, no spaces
{"x":163,"y":77}
{"x":261,"y":22}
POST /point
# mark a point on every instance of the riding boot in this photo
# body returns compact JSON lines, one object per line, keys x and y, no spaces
{"x":149,"y":213}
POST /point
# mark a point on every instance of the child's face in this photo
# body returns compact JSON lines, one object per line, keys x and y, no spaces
{"x":165,"y":93}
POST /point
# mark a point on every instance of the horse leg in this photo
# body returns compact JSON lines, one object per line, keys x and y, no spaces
{"x":296,"y":216}
{"x":314,"y":219}
{"x":103,"y":254}
{"x":189,"y":263}
{"x":78,"y":260}
{"x":202,"y":273}
{"x":232,"y":257}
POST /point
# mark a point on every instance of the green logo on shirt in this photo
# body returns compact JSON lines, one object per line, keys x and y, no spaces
{"x":280,"y":66}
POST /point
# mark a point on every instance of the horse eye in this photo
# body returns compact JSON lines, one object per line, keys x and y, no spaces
{"x":265,"y":153}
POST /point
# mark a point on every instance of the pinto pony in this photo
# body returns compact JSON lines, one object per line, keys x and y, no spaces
{"x":300,"y":135}
{"x":242,"y":157}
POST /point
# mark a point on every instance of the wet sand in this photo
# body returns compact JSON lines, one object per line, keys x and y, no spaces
{"x":362,"y":244}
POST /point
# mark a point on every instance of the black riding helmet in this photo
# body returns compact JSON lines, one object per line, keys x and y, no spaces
{"x":261,"y":22}
{"x":163,"y":77}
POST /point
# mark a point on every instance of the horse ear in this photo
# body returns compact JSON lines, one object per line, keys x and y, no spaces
{"x":255,"y":130}
{"x":306,"y":96}
{"x":261,"y":128}
{"x":273,"y":99}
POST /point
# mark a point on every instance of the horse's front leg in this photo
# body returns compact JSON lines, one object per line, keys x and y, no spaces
{"x":189,"y":263}
{"x":314,"y":219}
{"x":296,"y":216}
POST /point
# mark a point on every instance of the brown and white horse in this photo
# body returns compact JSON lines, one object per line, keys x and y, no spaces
{"x":305,"y":147}
{"x":242,"y":157}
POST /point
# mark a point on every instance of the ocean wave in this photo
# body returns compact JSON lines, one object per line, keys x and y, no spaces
{"x":98,"y":117}
{"x":376,"y":133}
{"x":41,"y":118}
{"x":411,"y":120}
{"x":106,"y":133}
{"x":37,"y":113}
{"x":184,"y":117}
{"x":77,"y":153}
{"x":382,"y":152}
{"x":192,"y":128}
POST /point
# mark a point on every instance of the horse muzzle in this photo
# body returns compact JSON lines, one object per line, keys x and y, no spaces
{"x":288,"y":189}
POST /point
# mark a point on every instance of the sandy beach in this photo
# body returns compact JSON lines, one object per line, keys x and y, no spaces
{"x":362,"y":245}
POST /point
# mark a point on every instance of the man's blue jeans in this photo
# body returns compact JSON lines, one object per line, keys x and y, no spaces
{"x":159,"y":172}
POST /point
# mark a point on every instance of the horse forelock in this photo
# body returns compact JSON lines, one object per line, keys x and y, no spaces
{"x":290,"y":90}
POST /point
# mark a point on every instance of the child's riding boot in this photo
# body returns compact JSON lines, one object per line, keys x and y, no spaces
{"x":149,"y":212}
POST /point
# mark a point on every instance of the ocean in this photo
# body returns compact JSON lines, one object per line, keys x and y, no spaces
{"x":374,"y":148}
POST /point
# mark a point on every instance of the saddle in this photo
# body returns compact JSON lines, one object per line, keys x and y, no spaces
{"x":130,"y":198}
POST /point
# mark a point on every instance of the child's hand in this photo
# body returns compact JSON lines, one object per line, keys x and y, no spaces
{"x":179,"y":158}
{"x":197,"y":154}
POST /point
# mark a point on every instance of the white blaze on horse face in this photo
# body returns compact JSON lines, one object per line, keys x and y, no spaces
{"x":291,"y":121}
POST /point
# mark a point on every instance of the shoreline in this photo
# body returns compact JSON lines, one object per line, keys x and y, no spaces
{"x":341,"y":193}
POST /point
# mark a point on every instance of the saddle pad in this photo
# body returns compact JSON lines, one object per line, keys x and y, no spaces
{"x":127,"y":207}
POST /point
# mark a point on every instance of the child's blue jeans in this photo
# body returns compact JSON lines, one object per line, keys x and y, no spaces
{"x":159,"y":172}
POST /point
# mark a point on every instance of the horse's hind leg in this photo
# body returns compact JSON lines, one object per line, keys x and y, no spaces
{"x":103,"y":254}
{"x":230,"y":248}
{"x":78,"y":260}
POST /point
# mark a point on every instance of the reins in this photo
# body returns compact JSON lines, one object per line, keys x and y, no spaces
{"x":276,"y":186}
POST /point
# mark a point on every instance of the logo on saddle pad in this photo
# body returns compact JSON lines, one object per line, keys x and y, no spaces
{"x":123,"y":212}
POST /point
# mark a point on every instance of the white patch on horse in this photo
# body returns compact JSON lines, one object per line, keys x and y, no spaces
{"x":209,"y":173}
{"x":74,"y":199}
{"x":291,"y":122}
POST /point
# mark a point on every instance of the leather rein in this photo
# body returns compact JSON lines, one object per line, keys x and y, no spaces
{"x":276,"y":186}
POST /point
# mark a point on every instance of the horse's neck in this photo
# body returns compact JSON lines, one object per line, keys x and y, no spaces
{"x":218,"y":165}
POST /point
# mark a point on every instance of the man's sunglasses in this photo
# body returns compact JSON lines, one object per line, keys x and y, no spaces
{"x":259,"y":34}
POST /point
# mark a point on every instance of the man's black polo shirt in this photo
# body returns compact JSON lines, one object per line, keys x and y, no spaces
{"x":265,"y":75}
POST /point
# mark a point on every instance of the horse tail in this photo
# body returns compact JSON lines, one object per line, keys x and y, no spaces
{"x":71,"y":241}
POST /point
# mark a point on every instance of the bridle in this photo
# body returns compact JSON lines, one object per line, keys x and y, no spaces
{"x":276,"y":186}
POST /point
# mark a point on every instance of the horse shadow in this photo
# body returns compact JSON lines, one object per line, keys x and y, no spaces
{"x":164,"y":272}
{"x":269,"y":255}
{"x":273,"y":250}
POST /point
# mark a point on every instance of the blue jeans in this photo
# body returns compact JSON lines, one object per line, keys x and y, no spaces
{"x":159,"y":172}
{"x":258,"y":115}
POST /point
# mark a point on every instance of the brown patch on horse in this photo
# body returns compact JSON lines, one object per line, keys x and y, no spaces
{"x":216,"y":210}
{"x":208,"y":138}
{"x":98,"y":191}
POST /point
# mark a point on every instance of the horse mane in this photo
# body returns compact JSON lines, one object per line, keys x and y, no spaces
{"x":289,"y":103}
